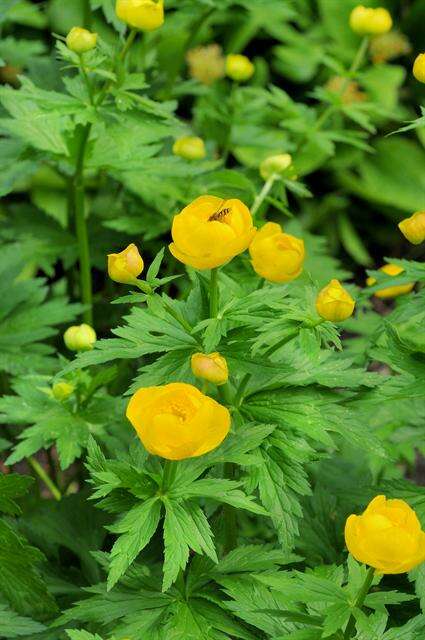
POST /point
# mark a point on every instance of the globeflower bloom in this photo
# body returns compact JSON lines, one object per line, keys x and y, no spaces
{"x":413,"y":228}
{"x":145,"y":15}
{"x":211,"y":367}
{"x":210,"y":231}
{"x":419,"y":68}
{"x":391,"y":292}
{"x":190,"y":148}
{"x":275,"y":255}
{"x":81,"y":40}
{"x":387,"y":536}
{"x":277,"y":164}
{"x":124,"y":267}
{"x":80,"y":337}
{"x":239,"y":67}
{"x":370,"y":22}
{"x":177,"y":421}
{"x":334,"y":303}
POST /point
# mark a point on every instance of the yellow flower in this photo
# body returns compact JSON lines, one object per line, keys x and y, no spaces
{"x":419,"y":67}
{"x":177,"y":421}
{"x":124,"y":267}
{"x":146,"y":15}
{"x":350,"y":92}
{"x":80,"y":338}
{"x":391,"y":292}
{"x":210,"y":231}
{"x":81,"y":40}
{"x":62,"y":390}
{"x":206,"y":64}
{"x":275,"y":165}
{"x":190,"y":148}
{"x":413,"y":228}
{"x":334,"y":303}
{"x":366,"y":21}
{"x":387,"y":536}
{"x":276,"y":256}
{"x":239,"y":67}
{"x":211,"y":367}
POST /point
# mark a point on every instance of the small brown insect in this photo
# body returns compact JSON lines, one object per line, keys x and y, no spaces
{"x":219,"y":215}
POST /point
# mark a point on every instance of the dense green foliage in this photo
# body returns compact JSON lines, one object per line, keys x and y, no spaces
{"x":98,"y":539}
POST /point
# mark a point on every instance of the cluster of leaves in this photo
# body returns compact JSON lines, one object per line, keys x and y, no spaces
{"x":247,"y":541}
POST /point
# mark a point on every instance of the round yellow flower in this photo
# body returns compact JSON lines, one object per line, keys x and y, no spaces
{"x":413,"y":228}
{"x":210,"y":231}
{"x":419,"y":68}
{"x":239,"y":67}
{"x":80,"y":337}
{"x":146,"y":15}
{"x":275,"y":165}
{"x":62,"y":390}
{"x":124,"y":267}
{"x":391,"y":292}
{"x":211,"y":367}
{"x":334,"y":303}
{"x":81,"y":40}
{"x":276,"y":256}
{"x":190,"y":148}
{"x":177,"y":421}
{"x":366,"y":21}
{"x":387,"y":536}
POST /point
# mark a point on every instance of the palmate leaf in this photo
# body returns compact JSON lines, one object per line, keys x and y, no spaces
{"x":13,"y":486}
{"x":12,"y":625}
{"x":20,"y":582}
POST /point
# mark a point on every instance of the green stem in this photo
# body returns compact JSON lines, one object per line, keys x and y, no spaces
{"x":263,"y":193}
{"x":358,"y":59}
{"x":229,"y":515}
{"x":241,"y":390}
{"x":359,"y":602}
{"x":36,"y":466}
{"x":86,"y":79}
{"x":81,"y":227}
{"x":169,"y":474}
{"x":127,"y":45}
{"x":280,"y":344}
{"x":87,"y":14}
{"x":214,"y":293}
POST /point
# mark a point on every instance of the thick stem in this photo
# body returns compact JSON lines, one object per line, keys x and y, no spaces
{"x":127,"y":45}
{"x":81,"y":228}
{"x":241,"y":390}
{"x":229,"y":515}
{"x":214,"y":293}
{"x":36,"y":466}
{"x":86,"y":79}
{"x":169,"y":474}
{"x":263,"y":194}
{"x":359,"y":602}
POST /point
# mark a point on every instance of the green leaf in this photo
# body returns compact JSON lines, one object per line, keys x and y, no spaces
{"x":13,"y":486}
{"x":13,"y":625}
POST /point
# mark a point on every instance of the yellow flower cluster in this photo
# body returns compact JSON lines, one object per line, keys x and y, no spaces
{"x":366,"y":21}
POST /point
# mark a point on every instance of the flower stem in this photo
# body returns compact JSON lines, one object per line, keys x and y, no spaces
{"x":229,"y":515}
{"x":127,"y":45}
{"x":36,"y":466}
{"x":86,"y":79}
{"x":359,"y":602}
{"x":214,"y":293}
{"x":263,"y":193}
{"x":169,"y":474}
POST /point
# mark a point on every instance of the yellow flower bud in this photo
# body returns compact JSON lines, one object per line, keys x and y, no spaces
{"x":387,"y":536}
{"x":81,"y":40}
{"x":211,"y":367}
{"x":80,"y":338}
{"x":349,"y":93}
{"x":391,"y":292}
{"x":190,"y":148}
{"x":275,"y":165}
{"x":276,"y":256}
{"x":124,"y":267}
{"x":177,"y":421}
{"x":366,"y":21}
{"x":206,"y":64}
{"x":146,"y":15}
{"x":334,"y":303}
{"x":239,"y":67}
{"x":413,"y":228}
{"x":62,"y":390}
{"x":419,"y":68}
{"x":211,"y":231}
